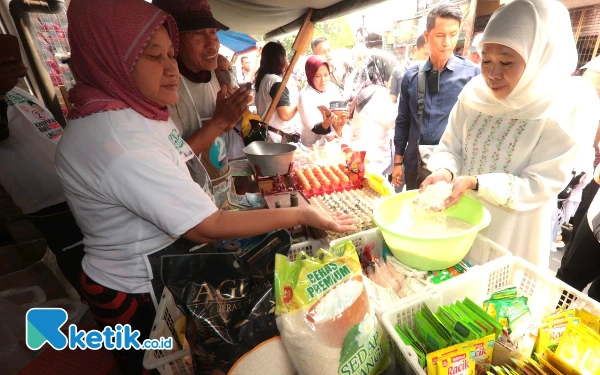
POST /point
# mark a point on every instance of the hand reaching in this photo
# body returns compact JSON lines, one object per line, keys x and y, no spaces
{"x":319,"y":219}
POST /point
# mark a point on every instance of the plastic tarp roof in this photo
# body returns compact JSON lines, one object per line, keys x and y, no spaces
{"x":237,"y":42}
{"x":273,"y":18}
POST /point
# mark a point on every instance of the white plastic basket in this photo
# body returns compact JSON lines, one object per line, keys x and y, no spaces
{"x":544,"y":293}
{"x":482,"y":251}
{"x":178,"y":361}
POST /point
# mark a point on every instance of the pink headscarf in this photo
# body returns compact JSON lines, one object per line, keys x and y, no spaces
{"x":312,"y":65}
{"x":107,"y":38}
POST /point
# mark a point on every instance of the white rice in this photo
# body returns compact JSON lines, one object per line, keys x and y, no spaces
{"x":337,"y":300}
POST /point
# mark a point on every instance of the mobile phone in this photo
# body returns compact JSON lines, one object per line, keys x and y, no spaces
{"x":325,"y":109}
{"x":9,"y":46}
{"x":247,"y":85}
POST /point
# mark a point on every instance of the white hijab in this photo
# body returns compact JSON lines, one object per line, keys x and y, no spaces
{"x":540,"y":31}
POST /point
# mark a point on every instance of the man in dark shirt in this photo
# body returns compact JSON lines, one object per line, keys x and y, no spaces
{"x":447,"y":74}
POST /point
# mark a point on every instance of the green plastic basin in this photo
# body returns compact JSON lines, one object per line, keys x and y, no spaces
{"x":434,"y":252}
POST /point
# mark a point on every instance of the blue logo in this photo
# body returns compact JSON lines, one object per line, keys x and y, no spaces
{"x":43,"y":325}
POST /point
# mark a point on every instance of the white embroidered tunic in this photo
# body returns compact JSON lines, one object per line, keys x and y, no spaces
{"x":521,"y":166}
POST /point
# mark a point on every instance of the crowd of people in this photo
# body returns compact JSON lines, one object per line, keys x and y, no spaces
{"x":142,"y":168}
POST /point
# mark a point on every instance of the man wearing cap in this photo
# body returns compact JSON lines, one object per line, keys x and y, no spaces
{"x":474,"y":56}
{"x":205,"y":111}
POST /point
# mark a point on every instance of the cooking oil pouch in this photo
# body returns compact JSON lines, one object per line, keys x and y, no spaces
{"x":580,"y":347}
{"x":505,"y":309}
{"x":551,"y":332}
{"x":324,"y":315}
{"x":518,"y":315}
{"x":228,"y":300}
{"x":505,"y":293}
{"x":460,"y":362}
{"x":485,"y":316}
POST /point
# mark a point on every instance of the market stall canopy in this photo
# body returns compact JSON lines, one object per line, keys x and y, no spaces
{"x":237,"y":42}
{"x":273,"y":18}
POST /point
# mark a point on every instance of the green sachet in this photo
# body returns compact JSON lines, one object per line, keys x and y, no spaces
{"x":484,"y":315}
{"x":476,"y":331}
{"x":460,"y":333}
{"x":484,"y":325}
{"x":444,"y":332}
{"x":419,"y":350}
{"x":428,"y":335}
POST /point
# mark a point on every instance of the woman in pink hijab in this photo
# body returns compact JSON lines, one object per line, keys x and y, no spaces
{"x":317,"y":121}
{"x":134,"y":185}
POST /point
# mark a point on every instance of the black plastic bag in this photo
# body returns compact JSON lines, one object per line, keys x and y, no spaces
{"x":228,"y":300}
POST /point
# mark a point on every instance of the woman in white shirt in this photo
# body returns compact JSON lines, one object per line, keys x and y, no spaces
{"x":520,"y":127}
{"x":273,"y":64}
{"x":317,"y":123}
{"x":134,"y":185}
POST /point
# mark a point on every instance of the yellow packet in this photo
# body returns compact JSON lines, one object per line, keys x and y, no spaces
{"x":551,"y":332}
{"x":580,"y":348}
{"x":433,"y":357}
{"x":559,"y":364}
{"x":589,"y":320}
{"x":567,"y":314}
{"x":547,"y":366}
{"x":457,"y":363}
{"x":481,"y":350}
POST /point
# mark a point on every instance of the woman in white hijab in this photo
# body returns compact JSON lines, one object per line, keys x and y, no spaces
{"x":519,"y":129}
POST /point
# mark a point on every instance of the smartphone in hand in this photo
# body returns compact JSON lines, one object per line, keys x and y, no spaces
{"x":325,"y":110}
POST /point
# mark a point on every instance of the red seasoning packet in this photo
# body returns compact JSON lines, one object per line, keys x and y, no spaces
{"x":355,"y":161}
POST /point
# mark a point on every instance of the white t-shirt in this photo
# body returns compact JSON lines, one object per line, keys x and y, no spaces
{"x":373,"y":131}
{"x":263,"y":101}
{"x":204,"y":97}
{"x":127,"y":183}
{"x":310,"y":115}
{"x":27,"y":170}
